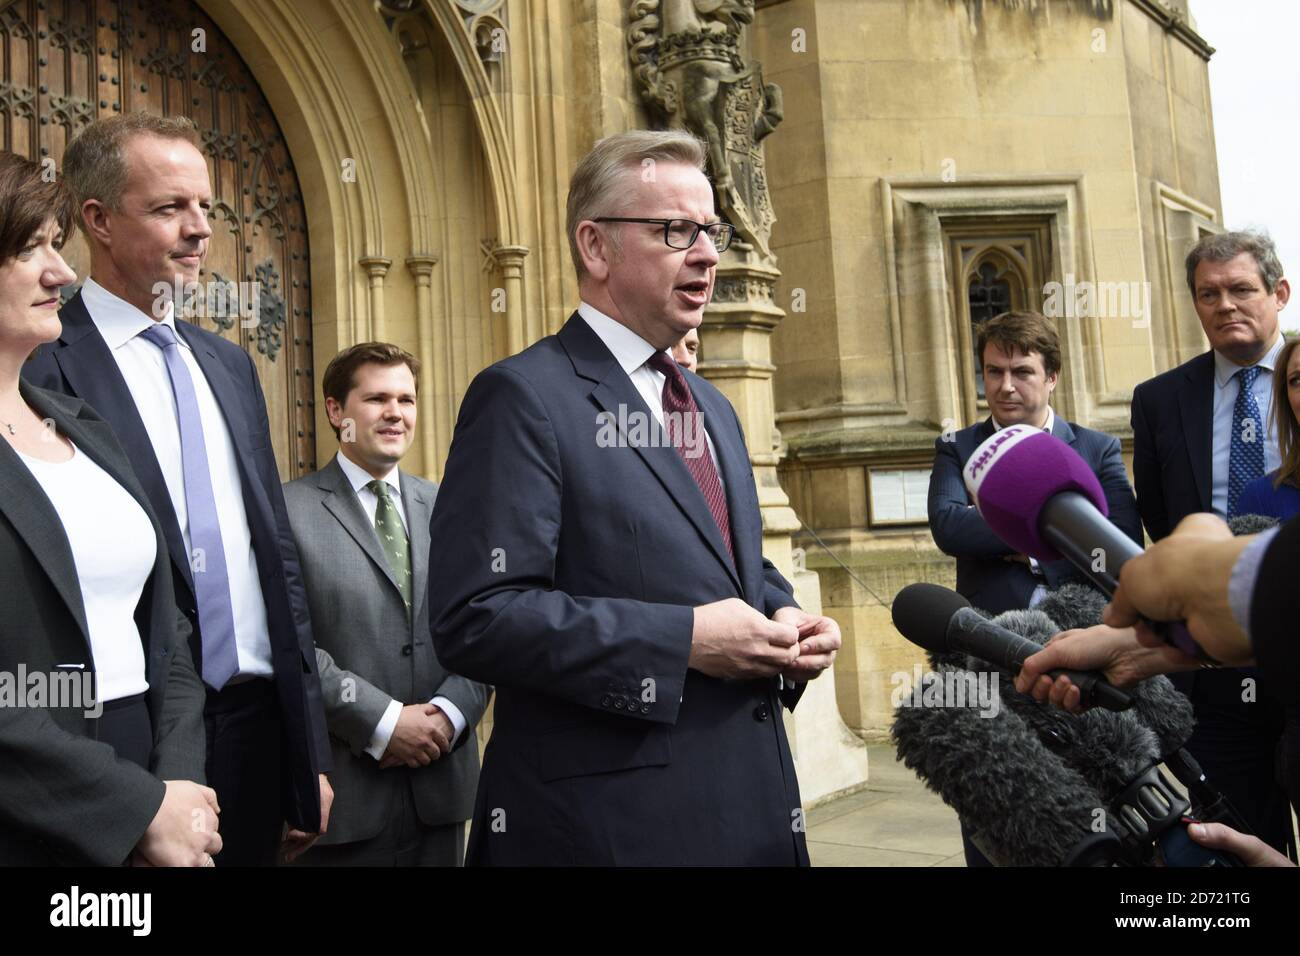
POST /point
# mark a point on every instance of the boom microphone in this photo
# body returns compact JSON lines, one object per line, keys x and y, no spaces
{"x":1037,"y":495}
{"x":941,"y":621}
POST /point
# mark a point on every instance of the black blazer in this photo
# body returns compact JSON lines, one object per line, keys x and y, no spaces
{"x":571,"y":588}
{"x":66,"y":798}
{"x":1274,"y":611}
{"x":983,"y":577}
{"x":80,"y":364}
{"x":1173,"y":424}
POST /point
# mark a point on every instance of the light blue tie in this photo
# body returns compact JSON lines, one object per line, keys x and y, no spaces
{"x":1246,"y":450}
{"x":211,"y":582}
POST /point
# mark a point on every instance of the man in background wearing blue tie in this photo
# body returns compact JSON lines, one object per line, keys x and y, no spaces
{"x":1199,"y":436}
{"x":188,"y":409}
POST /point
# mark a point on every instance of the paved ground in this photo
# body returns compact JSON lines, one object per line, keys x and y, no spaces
{"x":896,"y":821}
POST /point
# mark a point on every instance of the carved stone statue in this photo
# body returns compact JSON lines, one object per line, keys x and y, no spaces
{"x":688,"y":65}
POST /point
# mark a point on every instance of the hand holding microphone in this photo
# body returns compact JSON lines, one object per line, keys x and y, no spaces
{"x":941,"y":621}
{"x":1185,"y":577}
{"x":1041,"y":498}
{"x":1125,"y":656}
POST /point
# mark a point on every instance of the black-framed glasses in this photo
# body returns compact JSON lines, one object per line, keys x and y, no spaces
{"x":682,"y":233}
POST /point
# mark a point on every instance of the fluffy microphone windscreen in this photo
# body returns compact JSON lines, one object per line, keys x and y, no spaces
{"x":922,"y":612}
{"x":1014,"y":473}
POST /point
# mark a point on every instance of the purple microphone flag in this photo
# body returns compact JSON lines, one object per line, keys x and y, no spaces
{"x":1014,"y":473}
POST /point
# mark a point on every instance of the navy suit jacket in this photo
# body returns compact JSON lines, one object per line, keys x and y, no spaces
{"x":571,"y":586}
{"x":80,"y":364}
{"x":984,"y":577}
{"x":1173,"y":443}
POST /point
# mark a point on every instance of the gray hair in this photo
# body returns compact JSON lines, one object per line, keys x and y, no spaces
{"x":1225,"y":246}
{"x":599,"y":181}
{"x":93,"y":164}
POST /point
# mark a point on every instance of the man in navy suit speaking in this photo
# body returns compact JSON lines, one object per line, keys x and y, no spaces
{"x":602,"y":564}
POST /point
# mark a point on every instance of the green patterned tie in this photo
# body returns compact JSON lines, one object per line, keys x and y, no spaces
{"x":392,"y":538}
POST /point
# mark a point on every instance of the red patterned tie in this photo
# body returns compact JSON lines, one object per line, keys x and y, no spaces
{"x":685,"y":423}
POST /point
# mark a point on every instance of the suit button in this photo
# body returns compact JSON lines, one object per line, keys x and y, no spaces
{"x":619,"y":703}
{"x":760,"y":712}
{"x":604,"y":701}
{"x":645,"y":708}
{"x":406,"y":650}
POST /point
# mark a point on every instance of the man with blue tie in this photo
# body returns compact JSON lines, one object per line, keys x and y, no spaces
{"x":1200,"y":435}
{"x":188,"y":409}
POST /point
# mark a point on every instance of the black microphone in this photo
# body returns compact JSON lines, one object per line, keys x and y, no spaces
{"x":941,"y":621}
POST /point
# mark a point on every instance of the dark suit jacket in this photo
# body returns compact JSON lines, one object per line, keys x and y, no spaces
{"x":1274,"y":611}
{"x":1173,"y":424}
{"x":567,"y":578}
{"x":80,"y":364}
{"x":983,"y":577}
{"x":370,"y":652}
{"x":66,"y":798}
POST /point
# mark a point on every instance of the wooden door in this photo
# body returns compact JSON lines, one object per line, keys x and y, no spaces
{"x":67,"y":62}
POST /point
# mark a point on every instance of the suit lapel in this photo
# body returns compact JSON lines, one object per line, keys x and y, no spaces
{"x":25,"y":504}
{"x":742,"y":506}
{"x":341,"y":501}
{"x":1196,"y":403}
{"x":1061,"y":429}
{"x":419,"y":511}
{"x":93,"y":375}
{"x":593,"y":361}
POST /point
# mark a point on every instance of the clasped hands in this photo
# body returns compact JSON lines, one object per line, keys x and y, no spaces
{"x":731,"y":640}
{"x":422,"y":735}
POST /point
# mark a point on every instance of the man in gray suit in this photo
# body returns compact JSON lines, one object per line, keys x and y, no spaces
{"x":401,"y":727}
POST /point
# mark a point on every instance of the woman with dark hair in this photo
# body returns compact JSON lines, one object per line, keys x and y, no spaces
{"x":1277,"y":494}
{"x":101,"y":710}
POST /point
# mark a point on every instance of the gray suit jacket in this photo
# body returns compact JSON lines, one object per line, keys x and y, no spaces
{"x":370,"y":653}
{"x":66,"y":798}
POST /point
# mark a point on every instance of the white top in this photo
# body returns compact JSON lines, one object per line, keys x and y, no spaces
{"x":145,"y":371}
{"x":632,"y":353}
{"x":113,"y":549}
{"x":358,"y":477}
{"x":1226,"y":390}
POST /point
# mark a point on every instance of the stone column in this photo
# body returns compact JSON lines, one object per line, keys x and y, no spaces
{"x":736,"y":356}
{"x":421,"y":269}
{"x":511,"y":261}
{"x":376,"y":268}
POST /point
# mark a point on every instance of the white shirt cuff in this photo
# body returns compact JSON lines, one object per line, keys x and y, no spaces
{"x":384,"y":730}
{"x":453,"y":713}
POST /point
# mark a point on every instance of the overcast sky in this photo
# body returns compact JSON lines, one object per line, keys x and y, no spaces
{"x":1255,"y":86}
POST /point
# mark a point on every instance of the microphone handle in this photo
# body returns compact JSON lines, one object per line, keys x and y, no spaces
{"x":1071,"y":524}
{"x":970,"y":633}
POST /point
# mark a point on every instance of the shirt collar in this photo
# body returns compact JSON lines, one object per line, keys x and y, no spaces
{"x":1225,"y":368}
{"x":1047,"y":425}
{"x":628,"y":348}
{"x":117,"y":320}
{"x":358,"y":477}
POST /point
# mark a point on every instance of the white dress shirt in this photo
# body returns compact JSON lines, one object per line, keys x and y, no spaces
{"x":632,"y":353}
{"x":1226,"y":390}
{"x":145,"y":371}
{"x":359,"y":478}
{"x":113,"y":549}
